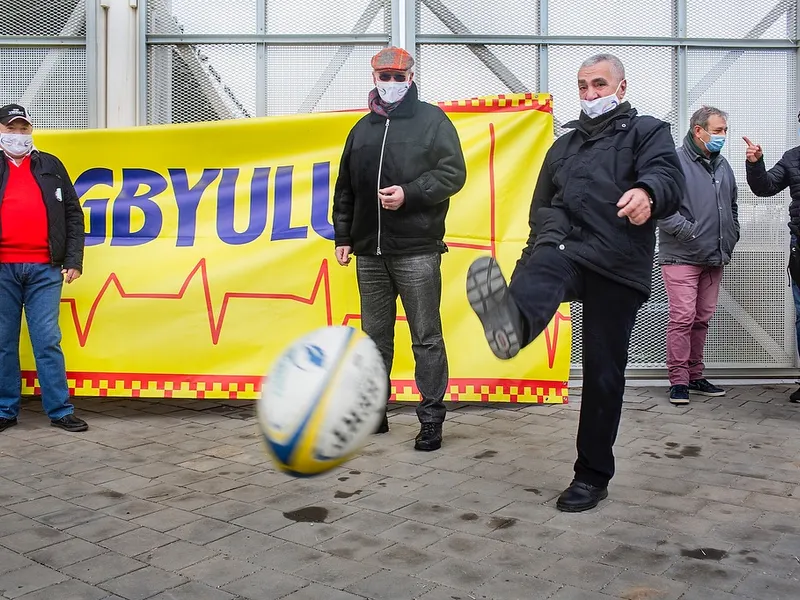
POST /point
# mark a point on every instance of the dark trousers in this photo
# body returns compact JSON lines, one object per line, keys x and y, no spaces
{"x":417,"y":279}
{"x":609,"y":313}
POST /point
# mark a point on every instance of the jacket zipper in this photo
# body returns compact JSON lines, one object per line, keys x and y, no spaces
{"x":380,"y":170}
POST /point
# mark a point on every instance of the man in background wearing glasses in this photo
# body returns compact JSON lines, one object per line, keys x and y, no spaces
{"x":401,"y":164}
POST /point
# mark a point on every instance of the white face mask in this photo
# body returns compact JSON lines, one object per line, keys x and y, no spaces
{"x":16,"y":145}
{"x":600,"y":106}
{"x":392,"y":91}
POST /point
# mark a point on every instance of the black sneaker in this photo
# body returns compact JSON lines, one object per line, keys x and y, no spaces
{"x":679,"y":395}
{"x":70,"y":423}
{"x":795,"y":396}
{"x":488,"y":295}
{"x":6,"y":423}
{"x":580,"y":496}
{"x":429,"y":437}
{"x":704,"y":388}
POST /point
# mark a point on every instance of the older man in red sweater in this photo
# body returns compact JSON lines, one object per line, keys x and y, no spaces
{"x":41,"y":246}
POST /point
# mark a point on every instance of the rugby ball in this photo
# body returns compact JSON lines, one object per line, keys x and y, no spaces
{"x":323,"y":397}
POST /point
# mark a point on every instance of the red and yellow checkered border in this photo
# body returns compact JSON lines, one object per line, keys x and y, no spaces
{"x":500,"y":103}
{"x":247,"y":387}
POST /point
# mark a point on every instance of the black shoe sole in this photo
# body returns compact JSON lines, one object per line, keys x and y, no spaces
{"x":679,"y":401}
{"x":487,"y":293}
{"x":8,"y":424}
{"x":574,"y":508}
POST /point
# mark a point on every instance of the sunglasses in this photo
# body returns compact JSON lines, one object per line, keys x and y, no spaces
{"x":390,"y":76}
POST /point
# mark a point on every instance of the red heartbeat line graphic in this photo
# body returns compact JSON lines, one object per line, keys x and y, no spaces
{"x":322,"y":283}
{"x":214,"y":322}
{"x":552,"y":343}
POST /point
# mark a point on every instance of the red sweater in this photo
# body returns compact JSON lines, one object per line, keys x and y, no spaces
{"x":23,"y":217}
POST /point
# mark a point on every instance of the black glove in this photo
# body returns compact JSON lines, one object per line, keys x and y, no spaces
{"x":794,"y":211}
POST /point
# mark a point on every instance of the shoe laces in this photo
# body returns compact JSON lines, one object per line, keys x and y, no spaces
{"x":428,"y":428}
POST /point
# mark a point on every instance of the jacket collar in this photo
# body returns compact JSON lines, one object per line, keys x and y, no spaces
{"x":405,"y":110}
{"x":693,"y":151}
{"x":617,"y":120}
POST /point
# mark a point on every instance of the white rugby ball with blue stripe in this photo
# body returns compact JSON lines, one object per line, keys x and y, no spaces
{"x":322,"y":399}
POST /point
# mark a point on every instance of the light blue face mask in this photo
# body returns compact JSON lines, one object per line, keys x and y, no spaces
{"x":716,"y":142}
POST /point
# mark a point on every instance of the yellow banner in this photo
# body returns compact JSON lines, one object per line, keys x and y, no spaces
{"x":209,"y":250}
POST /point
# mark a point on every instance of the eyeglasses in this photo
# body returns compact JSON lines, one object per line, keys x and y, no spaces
{"x":390,"y":76}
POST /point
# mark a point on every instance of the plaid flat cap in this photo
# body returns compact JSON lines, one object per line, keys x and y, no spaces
{"x":392,"y":59}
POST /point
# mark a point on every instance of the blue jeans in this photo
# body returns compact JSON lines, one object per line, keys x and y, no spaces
{"x":417,"y":279}
{"x":37,"y":287}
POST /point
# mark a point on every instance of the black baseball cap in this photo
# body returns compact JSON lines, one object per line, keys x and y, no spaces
{"x":12,"y":112}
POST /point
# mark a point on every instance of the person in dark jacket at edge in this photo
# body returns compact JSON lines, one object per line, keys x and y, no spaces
{"x":592,"y":239}
{"x":694,"y":245}
{"x":41,"y":246}
{"x":401,"y":164}
{"x":765,"y":183}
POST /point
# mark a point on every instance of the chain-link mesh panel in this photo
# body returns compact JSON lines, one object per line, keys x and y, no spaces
{"x":189,"y":82}
{"x":744,"y":19}
{"x":465,"y":17}
{"x":50,"y":82}
{"x":651,"y":93}
{"x":455,"y":72}
{"x":176,"y":17}
{"x":648,"y":69}
{"x":329,"y":16}
{"x":752,"y":326}
{"x":318,"y":78}
{"x":44,"y":17}
{"x":610,"y":19}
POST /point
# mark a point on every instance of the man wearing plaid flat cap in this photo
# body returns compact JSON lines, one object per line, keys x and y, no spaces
{"x":401,"y":164}
{"x":41,"y":246}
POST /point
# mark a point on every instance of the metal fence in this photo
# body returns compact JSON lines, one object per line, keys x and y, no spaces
{"x":222,"y":59}
{"x":43,"y":61}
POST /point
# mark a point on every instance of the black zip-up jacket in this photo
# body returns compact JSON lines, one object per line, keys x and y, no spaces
{"x":422,"y":154}
{"x":65,"y":222}
{"x":583,"y":177}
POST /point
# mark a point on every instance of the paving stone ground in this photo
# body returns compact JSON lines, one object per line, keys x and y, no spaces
{"x":175,"y":500}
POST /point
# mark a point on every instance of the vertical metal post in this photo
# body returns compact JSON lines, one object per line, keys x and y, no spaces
{"x":261,"y":59}
{"x":93,"y":89}
{"x":409,"y":16}
{"x":398,"y":22}
{"x":543,"y":83}
{"x":681,"y":64}
{"x":142,"y":60}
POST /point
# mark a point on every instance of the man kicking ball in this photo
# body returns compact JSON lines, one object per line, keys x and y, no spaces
{"x":592,"y":239}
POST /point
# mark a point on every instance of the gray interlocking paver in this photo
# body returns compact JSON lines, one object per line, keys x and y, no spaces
{"x":720,"y":476}
{"x":143,"y":583}
{"x":176,"y":556}
{"x":71,"y":589}
{"x":28,"y":579}
{"x":219,"y":570}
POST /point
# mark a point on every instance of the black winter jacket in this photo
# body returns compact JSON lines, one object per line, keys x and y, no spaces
{"x":65,"y":222}
{"x":583,"y":177}
{"x":785,"y":173}
{"x":422,"y":154}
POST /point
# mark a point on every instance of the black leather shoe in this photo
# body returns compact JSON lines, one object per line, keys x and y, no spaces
{"x":6,"y":423}
{"x":383,"y":426}
{"x":795,"y":396}
{"x":429,"y":437}
{"x":70,"y":423}
{"x":580,"y":496}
